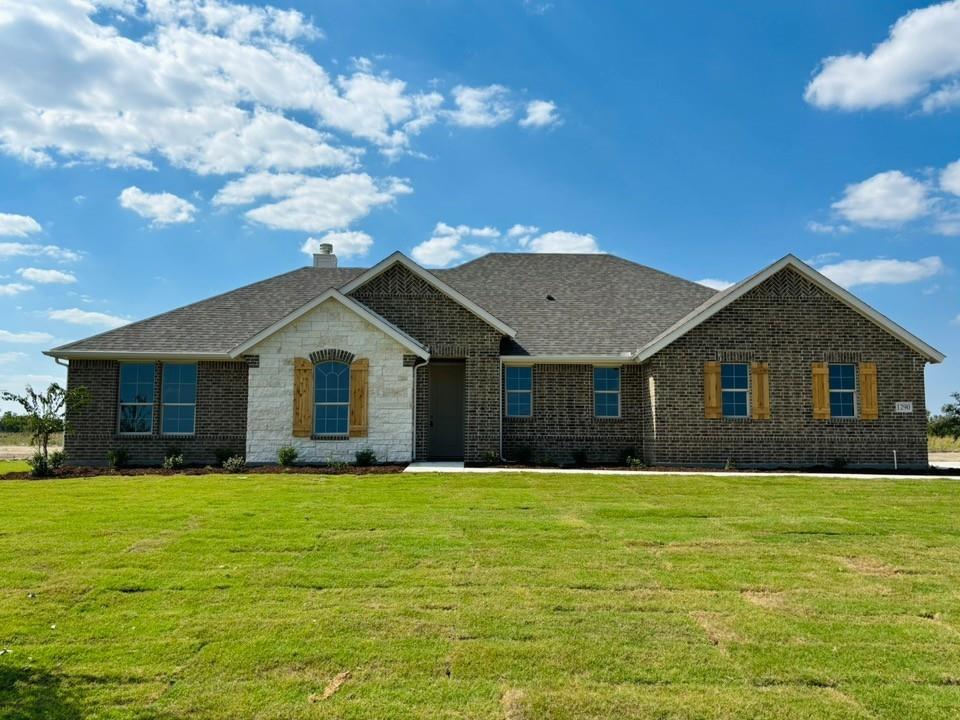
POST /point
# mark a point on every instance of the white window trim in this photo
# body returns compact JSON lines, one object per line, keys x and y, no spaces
{"x":745,"y":391}
{"x":121,"y":404}
{"x":853,"y":393}
{"x":507,"y":393}
{"x":593,"y":380}
{"x":326,"y":435}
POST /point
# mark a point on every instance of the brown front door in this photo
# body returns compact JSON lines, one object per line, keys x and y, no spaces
{"x":447,"y":404}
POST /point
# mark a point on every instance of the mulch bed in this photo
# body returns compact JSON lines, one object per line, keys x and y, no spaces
{"x":815,"y":470}
{"x":80,"y":472}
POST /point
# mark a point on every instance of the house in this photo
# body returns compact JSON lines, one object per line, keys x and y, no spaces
{"x":546,"y":357}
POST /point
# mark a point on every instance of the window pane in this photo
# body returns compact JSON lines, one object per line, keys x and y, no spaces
{"x":733,"y":376}
{"x":332,"y":382}
{"x":518,"y":404}
{"x":606,"y":379}
{"x":842,"y":377}
{"x":136,"y":382}
{"x":136,"y":418}
{"x":331,"y":419}
{"x":841,"y":404}
{"x":519,"y":378}
{"x":606,"y":404}
{"x":734,"y":403}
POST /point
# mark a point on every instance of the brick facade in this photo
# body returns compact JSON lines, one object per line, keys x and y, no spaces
{"x":789,"y":323}
{"x":451,"y":333}
{"x":221,"y":415}
{"x":563,"y":422}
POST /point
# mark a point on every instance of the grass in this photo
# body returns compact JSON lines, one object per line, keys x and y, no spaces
{"x":479,"y":596}
{"x":943,"y":444}
{"x":12,"y":466}
{"x":23,"y":439}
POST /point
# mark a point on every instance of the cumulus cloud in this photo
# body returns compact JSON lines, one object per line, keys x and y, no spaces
{"x":950,"y":178}
{"x":351,"y":243}
{"x":18,"y":225}
{"x":310,"y":204}
{"x":160,"y":208}
{"x":887,"y":199}
{"x":55,"y":252}
{"x":9,"y":358}
{"x":480,"y":106}
{"x":76,"y":316}
{"x":25,"y":337}
{"x":540,"y":113}
{"x":882,"y":271}
{"x":716,"y":284}
{"x":451,"y":243}
{"x":828,"y":228}
{"x":920,"y":59}
{"x":10,"y":289}
{"x":43,"y":276}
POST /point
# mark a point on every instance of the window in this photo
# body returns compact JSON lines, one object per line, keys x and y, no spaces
{"x":843,"y":386}
{"x":179,"y":398}
{"x":519,"y":391}
{"x":136,"y":397}
{"x":331,"y":397}
{"x":606,"y":392}
{"x":733,"y":388}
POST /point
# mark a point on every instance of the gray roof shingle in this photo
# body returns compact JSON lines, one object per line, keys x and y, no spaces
{"x":602,"y":305}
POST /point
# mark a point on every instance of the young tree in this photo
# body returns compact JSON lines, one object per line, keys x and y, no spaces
{"x":948,"y":424}
{"x":45,"y":411}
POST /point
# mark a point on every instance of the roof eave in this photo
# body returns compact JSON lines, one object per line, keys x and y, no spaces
{"x":67,"y":354}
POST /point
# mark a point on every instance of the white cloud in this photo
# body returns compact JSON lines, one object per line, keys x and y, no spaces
{"x":15,"y":249}
{"x":520,"y":230}
{"x":881,"y":271}
{"x":563,"y":242}
{"x":919,"y":59}
{"x":956,"y":320}
{"x":43,"y":276}
{"x":18,"y":225}
{"x":828,"y":228}
{"x":480,"y":106}
{"x":25,"y":337}
{"x":11,"y":289}
{"x":950,"y":178}
{"x":716,"y":284}
{"x":160,"y":208}
{"x":311,"y":204}
{"x":9,"y":358}
{"x":240,"y":22}
{"x":76,"y":316}
{"x":541,"y":113}
{"x":351,"y":243}
{"x":884,"y":200}
{"x":446,"y":244}
{"x":948,"y":223}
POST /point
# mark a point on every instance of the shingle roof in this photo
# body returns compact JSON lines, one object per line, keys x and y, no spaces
{"x":602,"y":305}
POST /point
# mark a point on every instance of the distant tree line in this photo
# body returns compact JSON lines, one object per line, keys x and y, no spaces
{"x":947,"y":423}
{"x":12,"y":423}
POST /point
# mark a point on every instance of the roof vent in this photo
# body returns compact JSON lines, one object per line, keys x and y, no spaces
{"x":325,"y":258}
{"x":551,"y":298}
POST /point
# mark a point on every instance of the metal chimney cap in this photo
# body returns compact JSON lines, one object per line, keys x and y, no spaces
{"x":326,"y":249}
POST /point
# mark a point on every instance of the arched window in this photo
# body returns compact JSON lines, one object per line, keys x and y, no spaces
{"x":331,"y":397}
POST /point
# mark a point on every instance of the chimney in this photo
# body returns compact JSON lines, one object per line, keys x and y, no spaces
{"x":325,"y":258}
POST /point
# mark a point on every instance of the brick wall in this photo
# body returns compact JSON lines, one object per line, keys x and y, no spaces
{"x":221,"y":415}
{"x":563,"y":422}
{"x":450,"y":332}
{"x":789,"y":323}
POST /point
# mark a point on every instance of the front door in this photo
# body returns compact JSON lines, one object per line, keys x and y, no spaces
{"x":447,"y":402}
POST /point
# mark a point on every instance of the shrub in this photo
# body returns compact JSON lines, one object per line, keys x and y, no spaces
{"x":223,"y":454}
{"x":490,"y":457}
{"x":365,"y":457}
{"x":580,"y":457}
{"x":635,"y":463}
{"x":523,"y":454}
{"x":118,"y":457}
{"x":235,"y":464}
{"x":287,"y":455}
{"x":39,"y":466}
{"x":627,"y":453}
{"x":173,"y":462}
{"x":57,"y":460}
{"x":730,"y":464}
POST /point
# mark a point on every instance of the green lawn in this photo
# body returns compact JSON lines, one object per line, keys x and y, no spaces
{"x":479,"y":596}
{"x":11,"y":466}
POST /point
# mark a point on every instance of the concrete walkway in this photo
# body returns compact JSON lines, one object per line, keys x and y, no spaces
{"x":457,"y":467}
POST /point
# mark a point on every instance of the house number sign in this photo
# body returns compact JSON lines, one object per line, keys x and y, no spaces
{"x":903,"y":407}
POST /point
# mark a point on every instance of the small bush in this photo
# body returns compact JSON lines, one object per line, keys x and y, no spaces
{"x":490,"y":457}
{"x":118,"y":457}
{"x":730,"y":464}
{"x":628,"y":453}
{"x":336,"y":465}
{"x":523,"y":454}
{"x":173,"y":462}
{"x":287,"y":455}
{"x":580,"y":457}
{"x":365,"y":457}
{"x":635,"y":463}
{"x":223,"y":454}
{"x":38,"y":465}
{"x":57,"y":460}
{"x":235,"y":464}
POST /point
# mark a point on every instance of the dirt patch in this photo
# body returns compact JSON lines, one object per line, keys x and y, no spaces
{"x":765,"y":599}
{"x":870,"y":566}
{"x":572,"y":520}
{"x":715,"y":628}
{"x":514,"y":704}
{"x":80,"y":472}
{"x":21,"y":452}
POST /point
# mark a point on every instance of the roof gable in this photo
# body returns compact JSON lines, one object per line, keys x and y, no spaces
{"x":333,"y":294}
{"x":721,"y":300}
{"x":432,"y":280}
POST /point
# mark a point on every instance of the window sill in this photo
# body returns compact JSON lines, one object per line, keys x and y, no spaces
{"x":329,"y":437}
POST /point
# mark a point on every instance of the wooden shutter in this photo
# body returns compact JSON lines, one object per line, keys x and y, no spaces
{"x":869,"y":407}
{"x":302,"y":397}
{"x":760,"y":391}
{"x":712,"y":407}
{"x":359,"y":372}
{"x":821,"y":391}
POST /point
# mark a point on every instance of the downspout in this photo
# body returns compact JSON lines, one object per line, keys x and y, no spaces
{"x":413,"y":439}
{"x":61,"y":362}
{"x":500,"y":407}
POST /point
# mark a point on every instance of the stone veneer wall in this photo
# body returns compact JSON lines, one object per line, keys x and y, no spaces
{"x":562,"y":420}
{"x":390,"y":388}
{"x":221,"y":417}
{"x":450,"y":332}
{"x":789,"y":323}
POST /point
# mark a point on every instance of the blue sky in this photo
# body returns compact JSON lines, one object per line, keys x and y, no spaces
{"x":156,"y":152}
